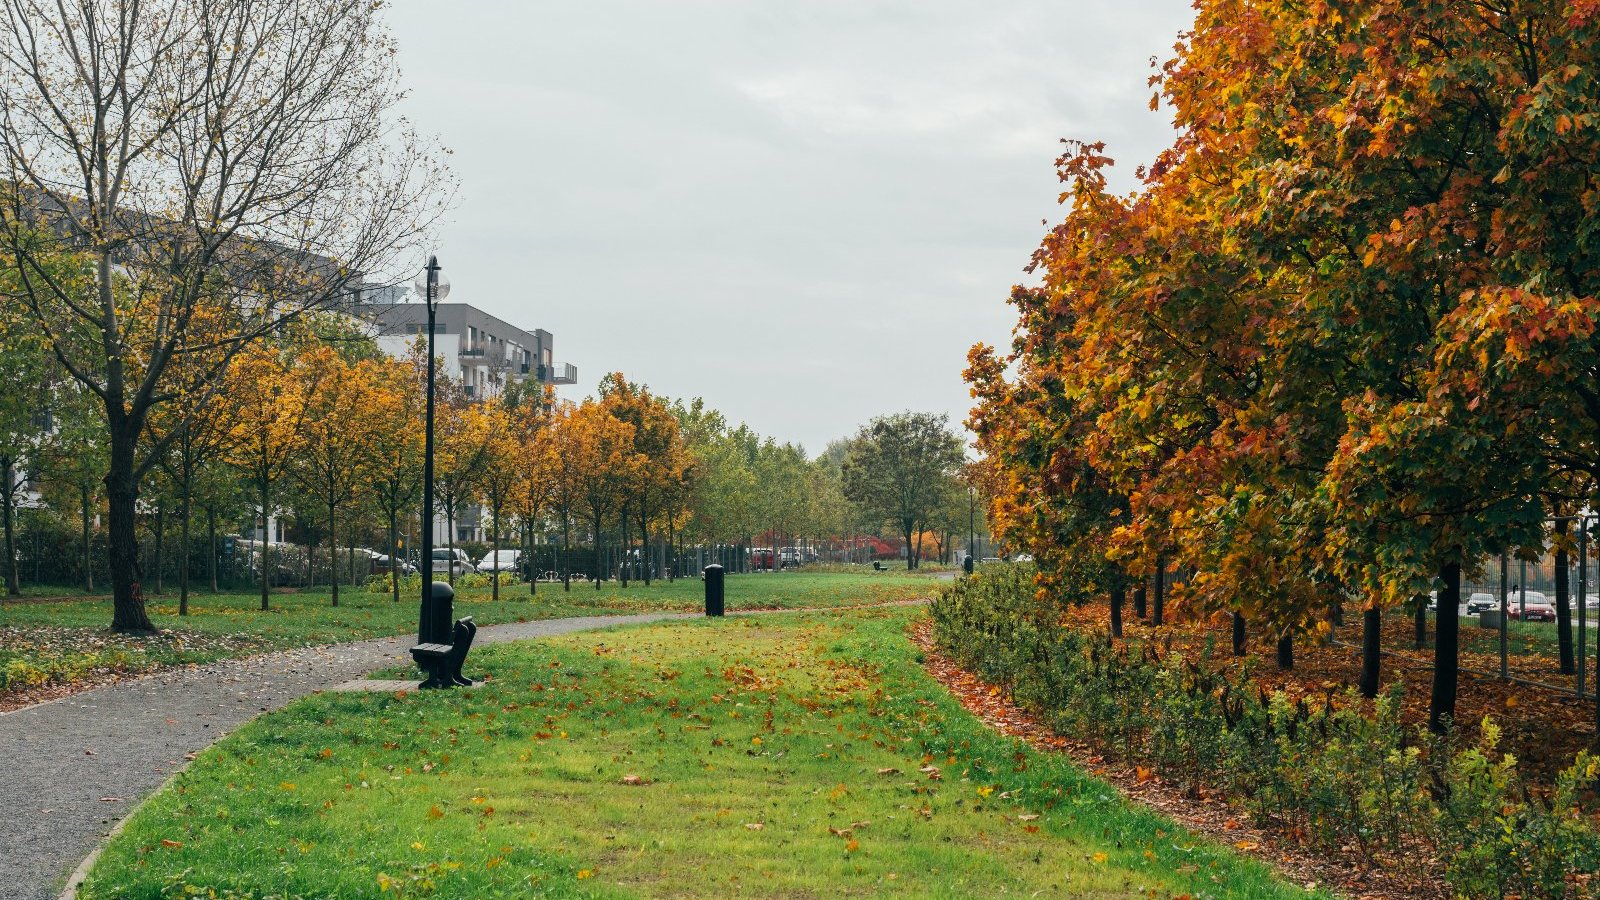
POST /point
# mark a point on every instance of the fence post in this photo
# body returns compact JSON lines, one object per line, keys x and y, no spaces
{"x":1505,"y":599}
{"x":1583,"y":598}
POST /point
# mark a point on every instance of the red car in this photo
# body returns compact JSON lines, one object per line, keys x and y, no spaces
{"x":1538,"y":608}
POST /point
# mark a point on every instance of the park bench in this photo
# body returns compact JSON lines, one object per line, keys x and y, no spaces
{"x":443,"y":662}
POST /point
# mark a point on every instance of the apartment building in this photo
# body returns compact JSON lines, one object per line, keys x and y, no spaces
{"x":481,"y":351}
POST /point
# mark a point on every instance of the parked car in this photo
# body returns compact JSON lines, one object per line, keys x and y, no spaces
{"x":446,"y":561}
{"x":1479,"y":602}
{"x":383,"y":564}
{"x":1536,"y":608}
{"x":500,"y":561}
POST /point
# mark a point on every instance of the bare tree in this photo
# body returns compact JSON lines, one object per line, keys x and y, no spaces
{"x":221,"y":167}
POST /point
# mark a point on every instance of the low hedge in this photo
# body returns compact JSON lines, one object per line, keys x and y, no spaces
{"x":1334,"y":771}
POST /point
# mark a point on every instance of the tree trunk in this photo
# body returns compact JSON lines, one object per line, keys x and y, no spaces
{"x":13,"y":582}
{"x":494,"y":543}
{"x":88,"y":547}
{"x":1160,"y":596}
{"x":161,"y":533}
{"x":910,"y":560}
{"x":1139,"y":608}
{"x":333,"y":550}
{"x":211,"y":542}
{"x":1238,"y":634}
{"x":1371,"y":650}
{"x":1119,"y":592}
{"x":450,"y":541}
{"x":394,"y":554}
{"x":1446,"y":650}
{"x":183,"y":550}
{"x":266,"y":544}
{"x":1286,"y":652}
{"x":644,"y":540}
{"x":1421,"y":621}
{"x":627,"y":548}
{"x":122,"y":497}
{"x":599,"y":558}
{"x":1563,"y":601}
{"x":566,"y":555}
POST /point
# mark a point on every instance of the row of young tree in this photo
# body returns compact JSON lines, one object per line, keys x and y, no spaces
{"x":1340,"y":344}
{"x":316,"y":425}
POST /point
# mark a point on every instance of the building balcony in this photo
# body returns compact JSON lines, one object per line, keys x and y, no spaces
{"x":559,"y":373}
{"x":471,"y":353}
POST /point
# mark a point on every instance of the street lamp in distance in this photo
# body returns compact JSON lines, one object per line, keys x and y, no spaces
{"x":432,"y":286}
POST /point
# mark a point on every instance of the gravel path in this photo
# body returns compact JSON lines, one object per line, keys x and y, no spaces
{"x":74,"y":767}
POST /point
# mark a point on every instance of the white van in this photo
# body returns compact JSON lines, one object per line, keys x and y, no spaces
{"x":500,"y":561}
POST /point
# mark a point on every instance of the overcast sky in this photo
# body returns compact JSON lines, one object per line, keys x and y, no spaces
{"x":804,"y":212}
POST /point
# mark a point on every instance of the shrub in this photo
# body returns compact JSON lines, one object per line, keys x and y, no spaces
{"x":1326,"y":768}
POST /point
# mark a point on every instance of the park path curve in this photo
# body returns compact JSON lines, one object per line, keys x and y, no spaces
{"x":74,"y":767}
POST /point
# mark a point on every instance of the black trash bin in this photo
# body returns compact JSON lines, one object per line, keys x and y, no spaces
{"x":713,"y":577}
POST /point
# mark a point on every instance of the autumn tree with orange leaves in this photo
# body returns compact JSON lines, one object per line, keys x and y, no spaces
{"x":1340,"y":343}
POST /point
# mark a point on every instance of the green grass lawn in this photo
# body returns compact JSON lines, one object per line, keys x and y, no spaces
{"x":794,"y":756}
{"x":62,"y":641}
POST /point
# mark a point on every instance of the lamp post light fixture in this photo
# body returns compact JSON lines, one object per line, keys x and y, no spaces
{"x":433,"y":287}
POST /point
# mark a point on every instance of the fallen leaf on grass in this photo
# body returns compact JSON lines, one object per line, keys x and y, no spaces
{"x":755,"y":826}
{"x":889,"y":771}
{"x":633,"y":780}
{"x":1143,"y":773}
{"x":1247,"y":845}
{"x":1027,"y":817}
{"x":173,"y":844}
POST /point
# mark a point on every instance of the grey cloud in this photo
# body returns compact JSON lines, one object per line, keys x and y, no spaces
{"x":804,"y":212}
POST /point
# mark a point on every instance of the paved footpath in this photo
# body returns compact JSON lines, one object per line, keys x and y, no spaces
{"x":73,"y":768}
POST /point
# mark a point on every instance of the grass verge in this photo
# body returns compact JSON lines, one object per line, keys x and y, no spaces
{"x":60,"y":642}
{"x":789,"y":756}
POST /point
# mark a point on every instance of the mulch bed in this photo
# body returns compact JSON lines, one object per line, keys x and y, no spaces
{"x":1543,"y":726}
{"x":1349,"y":872}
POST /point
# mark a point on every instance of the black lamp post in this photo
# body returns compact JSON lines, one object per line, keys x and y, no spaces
{"x":433,"y":287}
